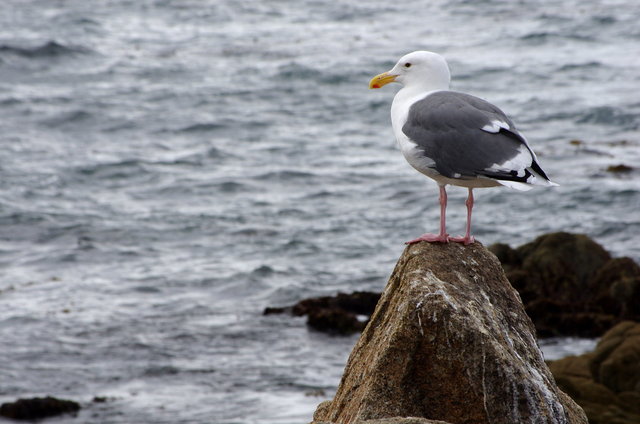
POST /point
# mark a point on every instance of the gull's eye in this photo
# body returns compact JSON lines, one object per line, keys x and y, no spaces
{"x":407,"y":65}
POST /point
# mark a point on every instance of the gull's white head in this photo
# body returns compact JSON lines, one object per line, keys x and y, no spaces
{"x":422,"y":69}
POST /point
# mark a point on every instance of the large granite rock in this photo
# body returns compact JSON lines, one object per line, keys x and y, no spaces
{"x":449,"y":340}
{"x":570,"y":285}
{"x":606,"y":382}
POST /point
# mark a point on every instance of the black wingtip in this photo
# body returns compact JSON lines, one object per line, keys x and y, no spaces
{"x":536,"y":168}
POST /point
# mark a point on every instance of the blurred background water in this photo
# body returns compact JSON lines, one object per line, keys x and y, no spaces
{"x":168,"y":169}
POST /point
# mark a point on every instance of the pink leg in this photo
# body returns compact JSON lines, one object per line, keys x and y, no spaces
{"x":443,"y":237}
{"x":468,"y":238}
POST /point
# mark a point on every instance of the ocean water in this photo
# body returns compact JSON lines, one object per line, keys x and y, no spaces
{"x":168,"y":169}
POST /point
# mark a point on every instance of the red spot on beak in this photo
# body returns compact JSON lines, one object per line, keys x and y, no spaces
{"x":376,"y":86}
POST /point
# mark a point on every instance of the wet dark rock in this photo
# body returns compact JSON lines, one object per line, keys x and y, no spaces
{"x":272,"y":310}
{"x":359,"y":302}
{"x":617,"y":288}
{"x":333,"y":314}
{"x":449,"y":340}
{"x":619,"y":168}
{"x":570,"y":285}
{"x":36,"y":408}
{"x":606,"y":382}
{"x":334,"y":321}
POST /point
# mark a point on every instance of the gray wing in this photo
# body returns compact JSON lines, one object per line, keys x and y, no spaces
{"x":467,"y":137}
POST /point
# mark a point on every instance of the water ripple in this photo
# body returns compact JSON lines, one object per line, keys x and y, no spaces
{"x":44,"y":51}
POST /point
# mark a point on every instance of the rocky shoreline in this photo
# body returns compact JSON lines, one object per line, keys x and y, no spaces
{"x":452,"y":339}
{"x":569,"y":285}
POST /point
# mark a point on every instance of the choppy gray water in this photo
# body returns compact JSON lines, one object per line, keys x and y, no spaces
{"x":168,"y":169}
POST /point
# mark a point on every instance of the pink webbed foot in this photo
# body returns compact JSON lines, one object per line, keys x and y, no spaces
{"x":466,"y":240}
{"x":431,"y":238}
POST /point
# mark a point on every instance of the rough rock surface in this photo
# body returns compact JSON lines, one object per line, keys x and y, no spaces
{"x":449,"y":340}
{"x":570,"y":285}
{"x":398,"y":420}
{"x":606,"y":382}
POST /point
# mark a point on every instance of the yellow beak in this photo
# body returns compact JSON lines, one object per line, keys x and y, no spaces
{"x":382,"y":79}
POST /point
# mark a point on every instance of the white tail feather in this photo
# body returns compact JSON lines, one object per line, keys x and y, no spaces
{"x":516,"y":185}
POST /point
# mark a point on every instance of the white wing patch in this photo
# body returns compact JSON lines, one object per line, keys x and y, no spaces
{"x":522,"y":160}
{"x":495,"y":126}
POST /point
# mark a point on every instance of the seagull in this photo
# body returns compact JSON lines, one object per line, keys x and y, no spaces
{"x":455,"y":138}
